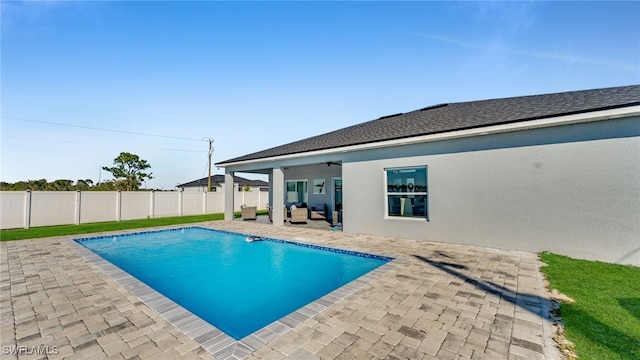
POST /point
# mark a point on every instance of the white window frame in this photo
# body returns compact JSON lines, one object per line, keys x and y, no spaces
{"x":388,"y":193}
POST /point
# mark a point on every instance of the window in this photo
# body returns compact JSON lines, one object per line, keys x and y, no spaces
{"x":297,"y":191}
{"x":407,"y":194}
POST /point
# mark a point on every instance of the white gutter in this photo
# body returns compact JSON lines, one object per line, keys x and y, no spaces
{"x":481,"y":131}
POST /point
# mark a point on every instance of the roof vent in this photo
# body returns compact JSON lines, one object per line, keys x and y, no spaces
{"x":389,"y":116}
{"x":433,"y":107}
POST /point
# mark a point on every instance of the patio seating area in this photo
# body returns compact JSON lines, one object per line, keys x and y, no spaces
{"x":307,"y":224}
{"x":441,"y":301}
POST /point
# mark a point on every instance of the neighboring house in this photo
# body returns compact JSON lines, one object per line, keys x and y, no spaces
{"x":557,"y":172}
{"x":217,"y":184}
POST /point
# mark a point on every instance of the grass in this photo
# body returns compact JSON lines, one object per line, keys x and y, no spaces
{"x":63,"y":230}
{"x":604,"y":320}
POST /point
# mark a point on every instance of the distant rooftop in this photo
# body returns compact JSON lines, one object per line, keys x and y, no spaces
{"x":218,"y":180}
{"x":459,"y":116}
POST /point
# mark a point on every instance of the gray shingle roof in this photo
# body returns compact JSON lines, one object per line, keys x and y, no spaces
{"x":459,"y":116}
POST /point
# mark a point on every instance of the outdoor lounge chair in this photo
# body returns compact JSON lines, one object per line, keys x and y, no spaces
{"x":249,"y":212}
{"x":298,"y":215}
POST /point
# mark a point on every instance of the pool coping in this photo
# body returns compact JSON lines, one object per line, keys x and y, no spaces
{"x":212,"y":339}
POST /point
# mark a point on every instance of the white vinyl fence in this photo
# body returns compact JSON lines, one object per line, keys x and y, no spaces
{"x":25,"y":209}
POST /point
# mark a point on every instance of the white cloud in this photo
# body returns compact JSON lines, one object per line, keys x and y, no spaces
{"x":497,"y":47}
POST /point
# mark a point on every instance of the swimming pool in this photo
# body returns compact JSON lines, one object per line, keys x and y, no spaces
{"x":235,"y":285}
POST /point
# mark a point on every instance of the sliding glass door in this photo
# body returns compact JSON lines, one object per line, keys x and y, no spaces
{"x":297,"y":191}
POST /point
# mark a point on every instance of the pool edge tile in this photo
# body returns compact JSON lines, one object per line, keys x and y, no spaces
{"x":220,"y":344}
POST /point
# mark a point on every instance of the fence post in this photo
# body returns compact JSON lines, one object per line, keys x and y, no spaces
{"x":180,"y":201}
{"x":152,"y":200}
{"x":118,"y":205}
{"x":27,"y":209}
{"x":78,"y":205}
{"x":204,"y":202}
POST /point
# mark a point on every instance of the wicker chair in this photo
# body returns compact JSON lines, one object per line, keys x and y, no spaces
{"x":249,"y":213}
{"x":299,"y":215}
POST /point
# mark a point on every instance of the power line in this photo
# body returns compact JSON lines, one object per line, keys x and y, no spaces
{"x":184,"y":150}
{"x":99,"y":129}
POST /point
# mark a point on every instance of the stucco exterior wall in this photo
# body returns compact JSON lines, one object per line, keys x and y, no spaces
{"x":571,"y":189}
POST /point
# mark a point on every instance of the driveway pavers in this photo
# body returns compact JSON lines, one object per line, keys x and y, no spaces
{"x":442,"y":301}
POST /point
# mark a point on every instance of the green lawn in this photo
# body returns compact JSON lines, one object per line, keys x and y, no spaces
{"x":62,"y":230}
{"x":604,"y":320}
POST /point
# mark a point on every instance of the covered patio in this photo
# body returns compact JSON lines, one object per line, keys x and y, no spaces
{"x":308,"y":191}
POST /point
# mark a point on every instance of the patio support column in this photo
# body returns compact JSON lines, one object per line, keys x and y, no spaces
{"x":276,"y":182}
{"x":228,"y":195}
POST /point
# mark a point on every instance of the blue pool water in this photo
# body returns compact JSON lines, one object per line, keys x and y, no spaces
{"x":235,"y":285}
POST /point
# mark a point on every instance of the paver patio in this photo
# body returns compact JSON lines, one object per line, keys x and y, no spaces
{"x":442,"y":301}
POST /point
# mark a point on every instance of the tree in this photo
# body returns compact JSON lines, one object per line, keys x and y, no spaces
{"x":84,"y":185}
{"x":37,"y":185}
{"x":106,"y":185}
{"x":129,"y":171}
{"x":59,"y":185}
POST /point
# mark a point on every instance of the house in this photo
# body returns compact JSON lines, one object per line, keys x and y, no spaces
{"x":217,"y":184}
{"x":557,"y":172}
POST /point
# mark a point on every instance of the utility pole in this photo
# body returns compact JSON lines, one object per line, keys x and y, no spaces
{"x":210,"y":140}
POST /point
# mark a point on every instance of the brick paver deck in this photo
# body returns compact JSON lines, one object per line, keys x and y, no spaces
{"x":442,"y":301}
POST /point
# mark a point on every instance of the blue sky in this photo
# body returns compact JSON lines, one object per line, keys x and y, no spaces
{"x":84,"y":81}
